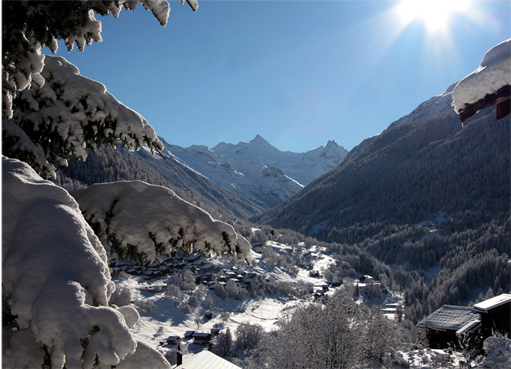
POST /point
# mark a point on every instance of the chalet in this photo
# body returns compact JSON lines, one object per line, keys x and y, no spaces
{"x":501,"y":97}
{"x":447,"y":324}
{"x":176,"y":280}
{"x":215,"y":331}
{"x":231,"y":275}
{"x":269,"y":231}
{"x":207,"y":267}
{"x":208,"y":315}
{"x":189,"y":334}
{"x":247,"y":278}
{"x":336,"y":283}
{"x":173,"y":340}
{"x":495,"y":315}
{"x":314,"y":273}
{"x":366,"y":279}
{"x":319,"y":295}
{"x":202,"y":338}
{"x":204,"y":359}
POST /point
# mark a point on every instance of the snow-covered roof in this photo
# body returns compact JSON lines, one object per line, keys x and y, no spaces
{"x":450,"y":317}
{"x":206,"y":359}
{"x":469,"y":327}
{"x":491,"y":78}
{"x":493,"y":302}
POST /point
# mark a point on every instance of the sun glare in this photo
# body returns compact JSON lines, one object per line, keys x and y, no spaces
{"x":435,"y":14}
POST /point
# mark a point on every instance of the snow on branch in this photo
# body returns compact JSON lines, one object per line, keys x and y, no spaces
{"x":54,"y":271}
{"x":68,"y":115}
{"x":31,"y":25}
{"x":145,"y":221}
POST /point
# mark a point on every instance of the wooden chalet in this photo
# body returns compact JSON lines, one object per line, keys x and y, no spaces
{"x":446,"y":325}
{"x":176,"y":280}
{"x":189,"y":334}
{"x":208,"y":315}
{"x":202,"y":338}
{"x":366,"y":278}
{"x":495,"y":315}
{"x":173,"y":340}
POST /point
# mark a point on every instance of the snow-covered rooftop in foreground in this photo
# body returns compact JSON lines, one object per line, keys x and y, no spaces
{"x":206,"y":359}
{"x":493,"y":302}
{"x":449,"y":317}
{"x":493,"y":73}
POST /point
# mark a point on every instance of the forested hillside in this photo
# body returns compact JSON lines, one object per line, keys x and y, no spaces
{"x":109,"y":165}
{"x":428,"y":192}
{"x":407,"y":174}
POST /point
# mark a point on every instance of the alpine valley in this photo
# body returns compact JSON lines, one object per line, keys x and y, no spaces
{"x":423,"y":208}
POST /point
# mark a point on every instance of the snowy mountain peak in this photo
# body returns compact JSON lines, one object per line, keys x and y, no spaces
{"x":332,"y":146}
{"x":257,"y":170}
{"x":260,"y":140}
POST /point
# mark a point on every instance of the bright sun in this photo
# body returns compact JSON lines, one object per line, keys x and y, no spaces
{"x":434,"y":13}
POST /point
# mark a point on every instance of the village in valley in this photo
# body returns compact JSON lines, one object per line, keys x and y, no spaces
{"x":216,"y":293}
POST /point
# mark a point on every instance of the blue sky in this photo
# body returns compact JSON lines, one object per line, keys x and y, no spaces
{"x":299,"y":73}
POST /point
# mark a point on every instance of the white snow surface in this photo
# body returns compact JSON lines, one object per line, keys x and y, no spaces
{"x":54,"y":270}
{"x":137,"y":214}
{"x":493,"y":73}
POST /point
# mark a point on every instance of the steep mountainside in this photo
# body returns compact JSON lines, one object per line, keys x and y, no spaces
{"x":422,"y":164}
{"x":108,"y":165}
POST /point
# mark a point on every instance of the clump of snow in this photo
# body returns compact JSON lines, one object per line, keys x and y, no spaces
{"x":499,"y":353}
{"x":153,"y":220}
{"x":130,"y":314}
{"x":54,"y":271}
{"x":492,"y":74}
{"x":144,"y":357}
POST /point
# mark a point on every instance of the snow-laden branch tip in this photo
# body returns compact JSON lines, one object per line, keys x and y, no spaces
{"x":40,"y":24}
{"x":54,"y":270}
{"x":145,"y":221}
{"x":68,"y":115}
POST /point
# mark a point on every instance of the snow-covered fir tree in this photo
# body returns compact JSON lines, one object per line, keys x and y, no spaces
{"x":55,"y":247}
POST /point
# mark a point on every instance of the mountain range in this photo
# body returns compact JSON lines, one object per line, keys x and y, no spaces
{"x":257,"y":170}
{"x":242,"y":180}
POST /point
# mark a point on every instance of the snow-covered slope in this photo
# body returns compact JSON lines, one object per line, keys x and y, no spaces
{"x":438,"y":106}
{"x":257,"y":170}
{"x":264,"y":185}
